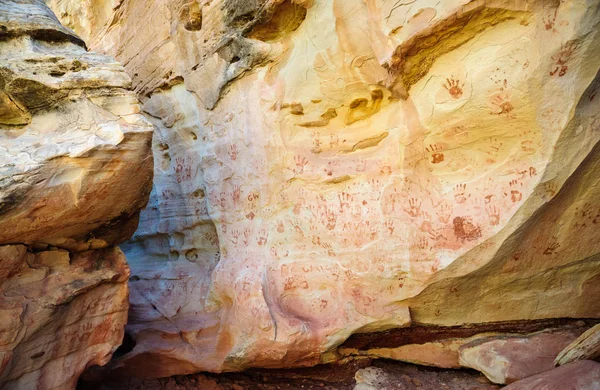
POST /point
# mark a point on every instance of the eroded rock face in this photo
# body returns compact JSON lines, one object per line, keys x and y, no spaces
{"x":323,"y":167}
{"x":61,"y":313}
{"x":75,"y":169}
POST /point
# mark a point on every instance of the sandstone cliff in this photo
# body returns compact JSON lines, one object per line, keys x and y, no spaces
{"x":331,"y":167}
{"x":75,"y":169}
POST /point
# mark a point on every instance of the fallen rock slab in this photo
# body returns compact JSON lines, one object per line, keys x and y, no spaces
{"x":443,"y":354}
{"x":507,"y":359}
{"x":581,"y":375}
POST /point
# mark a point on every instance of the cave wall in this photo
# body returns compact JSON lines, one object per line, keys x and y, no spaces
{"x":328,"y":167}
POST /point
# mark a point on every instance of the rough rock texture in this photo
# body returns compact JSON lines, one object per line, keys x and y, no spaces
{"x":507,"y":359}
{"x":581,"y":375}
{"x":60,"y":313}
{"x":328,"y":167}
{"x":585,"y":347}
{"x":75,"y":169}
{"x":386,"y":376}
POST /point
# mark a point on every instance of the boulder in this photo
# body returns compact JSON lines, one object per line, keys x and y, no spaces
{"x":443,"y":354}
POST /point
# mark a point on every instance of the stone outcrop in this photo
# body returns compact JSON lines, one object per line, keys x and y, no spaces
{"x":75,"y":170}
{"x":327,"y":167}
{"x":503,"y":351}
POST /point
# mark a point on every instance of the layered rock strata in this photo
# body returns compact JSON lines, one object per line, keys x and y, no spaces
{"x":501,"y":350}
{"x":328,"y":167}
{"x":75,"y":170}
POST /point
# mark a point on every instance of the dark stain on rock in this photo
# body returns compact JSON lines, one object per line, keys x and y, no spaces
{"x":278,"y":22}
{"x":191,"y":16}
{"x":465,"y":230}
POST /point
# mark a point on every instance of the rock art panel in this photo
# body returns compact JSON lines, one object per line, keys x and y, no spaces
{"x":75,"y":170}
{"x":324,"y":168}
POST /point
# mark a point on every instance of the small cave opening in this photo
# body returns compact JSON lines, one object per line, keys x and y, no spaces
{"x":127,"y":345}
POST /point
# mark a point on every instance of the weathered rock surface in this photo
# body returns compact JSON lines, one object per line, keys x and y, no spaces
{"x":507,"y":359}
{"x":75,"y":169}
{"x":60,"y":313}
{"x":330,"y":167}
{"x":585,"y":347}
{"x":581,"y":375}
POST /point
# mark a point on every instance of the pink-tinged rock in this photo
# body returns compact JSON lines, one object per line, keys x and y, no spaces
{"x":441,"y":347}
{"x":511,"y":358}
{"x":581,"y":375}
